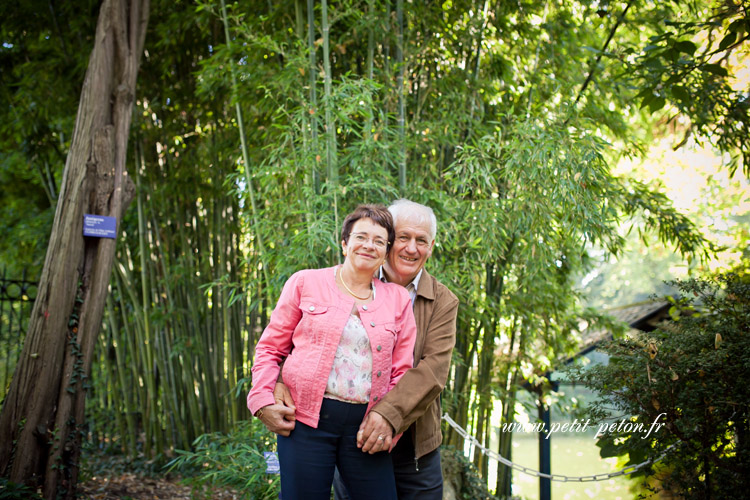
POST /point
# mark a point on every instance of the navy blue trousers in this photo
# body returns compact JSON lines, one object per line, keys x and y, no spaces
{"x":415,"y":479}
{"x":308,"y":458}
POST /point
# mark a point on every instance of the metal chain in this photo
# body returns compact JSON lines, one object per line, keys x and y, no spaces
{"x":630,"y":469}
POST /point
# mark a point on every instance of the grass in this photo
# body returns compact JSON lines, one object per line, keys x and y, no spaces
{"x":572,"y":455}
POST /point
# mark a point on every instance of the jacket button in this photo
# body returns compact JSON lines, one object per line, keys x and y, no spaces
{"x":364,"y":307}
{"x":312,"y":308}
{"x":375,"y":398}
{"x":380,"y":348}
{"x":372,"y":323}
{"x":379,"y":373}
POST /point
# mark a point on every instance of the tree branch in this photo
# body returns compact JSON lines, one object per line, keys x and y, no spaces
{"x":598,"y":59}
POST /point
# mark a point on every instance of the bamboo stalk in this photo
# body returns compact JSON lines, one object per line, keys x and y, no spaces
{"x":332,"y":162}
{"x":225,"y":354}
{"x":387,"y":49}
{"x":370,"y":40}
{"x":401,"y":103}
{"x":181,"y":381}
{"x":199,"y":370}
{"x":140,"y":364}
{"x":158,"y":352}
{"x":106,"y":383}
{"x":370,"y":61}
{"x":125,"y":388}
{"x":245,"y":154}
{"x":219,"y":311}
{"x":232,"y":314}
{"x":313,"y":94}
{"x":173,"y":331}
{"x":333,"y":171}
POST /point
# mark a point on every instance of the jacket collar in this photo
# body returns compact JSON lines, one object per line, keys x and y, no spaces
{"x":426,"y":288}
{"x":424,"y":282}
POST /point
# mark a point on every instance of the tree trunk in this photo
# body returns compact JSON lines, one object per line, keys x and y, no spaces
{"x":43,"y":413}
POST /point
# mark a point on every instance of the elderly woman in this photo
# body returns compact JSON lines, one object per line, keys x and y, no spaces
{"x":346,"y":339}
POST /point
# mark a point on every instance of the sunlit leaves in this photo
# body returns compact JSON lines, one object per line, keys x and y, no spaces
{"x":695,"y":61}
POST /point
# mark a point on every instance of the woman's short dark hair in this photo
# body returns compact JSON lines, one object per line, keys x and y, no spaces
{"x":379,"y":214}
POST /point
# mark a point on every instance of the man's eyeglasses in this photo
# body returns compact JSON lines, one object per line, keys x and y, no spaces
{"x":362,"y":238}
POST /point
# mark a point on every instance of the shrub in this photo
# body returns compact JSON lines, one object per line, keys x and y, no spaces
{"x":234,"y":460}
{"x":13,"y":491}
{"x":694,"y":375}
{"x":461,"y":477}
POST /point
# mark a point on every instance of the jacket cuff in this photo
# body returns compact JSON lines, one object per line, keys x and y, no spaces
{"x":259,"y":401}
{"x":391,"y":414}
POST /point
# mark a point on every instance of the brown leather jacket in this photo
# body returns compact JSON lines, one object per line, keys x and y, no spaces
{"x":415,"y":399}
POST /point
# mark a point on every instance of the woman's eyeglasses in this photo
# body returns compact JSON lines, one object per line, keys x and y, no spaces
{"x":362,"y":238}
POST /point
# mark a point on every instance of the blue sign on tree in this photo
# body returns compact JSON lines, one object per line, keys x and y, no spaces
{"x":99,"y":226}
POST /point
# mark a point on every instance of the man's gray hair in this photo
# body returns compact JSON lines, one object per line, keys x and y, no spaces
{"x":410,"y":210}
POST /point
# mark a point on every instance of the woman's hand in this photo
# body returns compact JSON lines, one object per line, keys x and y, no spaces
{"x":375,"y":434}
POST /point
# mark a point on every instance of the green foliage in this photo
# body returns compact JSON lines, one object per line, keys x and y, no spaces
{"x":234,"y":460}
{"x":43,"y":58}
{"x":461,"y":474}
{"x":687,"y":63}
{"x":12,"y":491}
{"x":692,"y":375}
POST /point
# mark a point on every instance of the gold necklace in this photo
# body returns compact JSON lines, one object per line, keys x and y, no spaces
{"x":341,"y":277}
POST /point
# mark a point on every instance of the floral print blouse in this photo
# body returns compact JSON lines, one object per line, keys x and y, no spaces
{"x":350,"y":379}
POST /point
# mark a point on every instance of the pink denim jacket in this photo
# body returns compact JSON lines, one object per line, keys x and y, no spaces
{"x":305,"y":328}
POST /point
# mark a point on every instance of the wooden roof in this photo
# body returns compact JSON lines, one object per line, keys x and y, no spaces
{"x":644,"y":316}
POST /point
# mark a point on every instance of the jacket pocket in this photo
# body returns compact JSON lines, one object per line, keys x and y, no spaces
{"x":312,"y":321}
{"x":391,"y":335}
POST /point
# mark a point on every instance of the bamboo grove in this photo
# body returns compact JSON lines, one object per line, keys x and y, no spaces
{"x":259,"y":125}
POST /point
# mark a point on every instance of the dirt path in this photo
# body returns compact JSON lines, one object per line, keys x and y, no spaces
{"x":132,"y":487}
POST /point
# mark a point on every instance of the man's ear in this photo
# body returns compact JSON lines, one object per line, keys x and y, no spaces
{"x":429,"y":252}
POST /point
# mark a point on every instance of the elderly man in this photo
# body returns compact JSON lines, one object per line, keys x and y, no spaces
{"x":413,"y":406}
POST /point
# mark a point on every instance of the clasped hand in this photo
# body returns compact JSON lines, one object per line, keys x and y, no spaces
{"x":375,"y":434}
{"x":280,"y":417}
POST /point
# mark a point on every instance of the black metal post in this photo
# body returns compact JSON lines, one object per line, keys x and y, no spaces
{"x":545,"y":454}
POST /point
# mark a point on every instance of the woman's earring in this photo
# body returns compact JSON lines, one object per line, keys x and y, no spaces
{"x":344,"y":252}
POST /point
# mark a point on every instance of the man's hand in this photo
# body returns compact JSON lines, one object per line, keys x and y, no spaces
{"x":278,"y":418}
{"x":282,"y":395}
{"x":375,"y":434}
